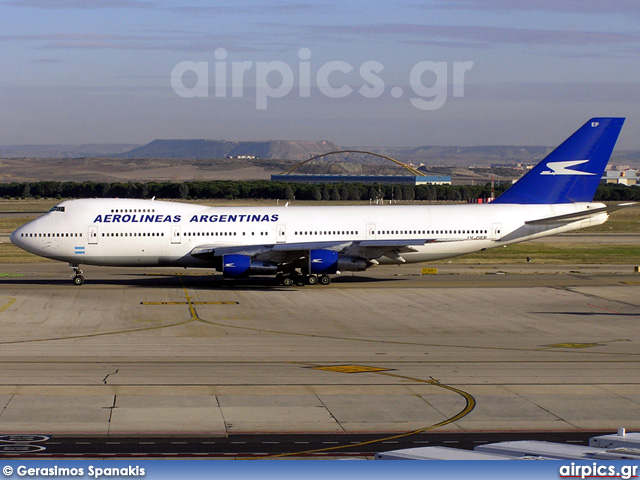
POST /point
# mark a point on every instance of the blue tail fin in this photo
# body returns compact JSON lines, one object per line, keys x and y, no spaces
{"x":572,"y":172}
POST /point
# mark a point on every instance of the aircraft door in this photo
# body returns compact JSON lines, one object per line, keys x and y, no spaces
{"x":282,"y":233}
{"x":176,"y":238}
{"x":496,"y":231}
{"x":371,"y":231}
{"x":93,"y":235}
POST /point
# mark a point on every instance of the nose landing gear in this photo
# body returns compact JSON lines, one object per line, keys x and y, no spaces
{"x":77,"y":277}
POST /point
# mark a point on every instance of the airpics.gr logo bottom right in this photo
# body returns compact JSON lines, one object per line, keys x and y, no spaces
{"x":594,"y":470}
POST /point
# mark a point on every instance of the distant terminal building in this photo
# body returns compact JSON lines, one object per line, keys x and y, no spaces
{"x":624,"y":177}
{"x":415,"y":177}
{"x":389,"y":179}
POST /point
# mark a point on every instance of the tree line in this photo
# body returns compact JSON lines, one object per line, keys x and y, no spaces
{"x":264,"y":189}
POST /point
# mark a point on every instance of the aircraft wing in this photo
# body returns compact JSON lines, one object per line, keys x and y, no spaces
{"x":573,"y":217}
{"x":263,"y":250}
{"x":288,"y":252}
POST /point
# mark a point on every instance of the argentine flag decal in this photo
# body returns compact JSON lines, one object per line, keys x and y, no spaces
{"x":79,"y":250}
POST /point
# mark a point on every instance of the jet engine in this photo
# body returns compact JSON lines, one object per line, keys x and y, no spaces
{"x":242,"y":265}
{"x":328,"y":261}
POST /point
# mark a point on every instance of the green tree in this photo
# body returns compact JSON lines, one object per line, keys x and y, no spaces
{"x":326,"y":195}
{"x":397,"y":193}
{"x":288,"y":193}
{"x":408,"y":192}
{"x":344,"y":192}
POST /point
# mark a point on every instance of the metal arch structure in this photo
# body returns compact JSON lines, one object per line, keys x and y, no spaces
{"x":412,"y":170}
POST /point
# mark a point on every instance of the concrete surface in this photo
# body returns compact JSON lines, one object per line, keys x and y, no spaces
{"x":523,"y":347}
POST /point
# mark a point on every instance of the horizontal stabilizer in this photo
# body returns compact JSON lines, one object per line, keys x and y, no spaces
{"x":574,"y":217}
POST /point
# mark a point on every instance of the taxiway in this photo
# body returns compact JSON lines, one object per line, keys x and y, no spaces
{"x":166,"y":352}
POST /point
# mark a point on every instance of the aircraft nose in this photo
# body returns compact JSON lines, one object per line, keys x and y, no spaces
{"x":16,"y":237}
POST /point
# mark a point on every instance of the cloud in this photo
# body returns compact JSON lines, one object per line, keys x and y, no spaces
{"x":188,"y":8}
{"x":474,"y":36}
{"x":264,"y":37}
{"x":556,"y":92}
{"x":279,"y":8}
{"x":177,"y":42}
{"x":79,"y":4}
{"x":595,"y":7}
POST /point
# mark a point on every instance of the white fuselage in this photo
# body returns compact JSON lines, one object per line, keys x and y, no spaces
{"x":125,"y":232}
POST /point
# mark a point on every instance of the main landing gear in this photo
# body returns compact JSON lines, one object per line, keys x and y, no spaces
{"x":303,"y":279}
{"x":77,"y":277}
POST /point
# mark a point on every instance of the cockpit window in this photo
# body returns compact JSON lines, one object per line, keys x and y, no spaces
{"x":57,"y":209}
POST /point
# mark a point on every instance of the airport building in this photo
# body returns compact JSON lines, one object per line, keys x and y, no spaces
{"x":388,"y":179}
{"x":625,"y":177}
{"x":411,"y":177}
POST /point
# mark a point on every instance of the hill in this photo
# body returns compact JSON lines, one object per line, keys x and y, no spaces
{"x":205,"y":149}
{"x":64,"y":151}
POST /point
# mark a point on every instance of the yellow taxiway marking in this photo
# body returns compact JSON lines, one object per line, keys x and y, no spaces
{"x":574,"y":345}
{"x":470,"y":404}
{"x":101,"y":334}
{"x":187,"y":303}
{"x":603,"y":343}
{"x":194,"y":314}
{"x":352,"y":369}
{"x":8,"y":304}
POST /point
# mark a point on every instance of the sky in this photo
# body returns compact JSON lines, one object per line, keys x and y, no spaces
{"x":358,"y":73}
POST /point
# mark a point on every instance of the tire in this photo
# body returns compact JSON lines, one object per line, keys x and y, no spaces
{"x":312,"y":280}
{"x":325,"y":279}
{"x":78,"y":280}
{"x":287,"y":281}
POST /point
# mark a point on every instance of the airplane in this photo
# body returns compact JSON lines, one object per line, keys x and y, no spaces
{"x":307,"y":244}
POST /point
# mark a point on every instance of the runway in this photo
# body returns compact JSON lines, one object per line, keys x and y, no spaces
{"x":260,"y":446}
{"x":389,"y":351}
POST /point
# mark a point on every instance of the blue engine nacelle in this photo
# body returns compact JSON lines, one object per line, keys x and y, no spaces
{"x":328,"y":261}
{"x":241,"y":265}
{"x":323,"y":261}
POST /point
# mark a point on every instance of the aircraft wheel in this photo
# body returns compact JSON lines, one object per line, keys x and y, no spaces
{"x":78,"y":280}
{"x":325,"y":279}
{"x":287,"y":281}
{"x":312,"y":280}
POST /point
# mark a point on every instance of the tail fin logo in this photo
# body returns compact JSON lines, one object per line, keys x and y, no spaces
{"x":565,"y":168}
